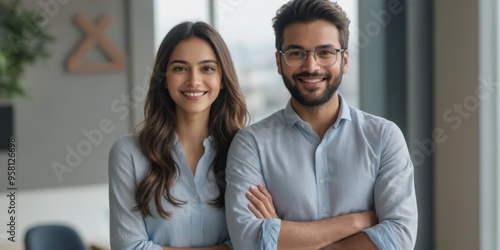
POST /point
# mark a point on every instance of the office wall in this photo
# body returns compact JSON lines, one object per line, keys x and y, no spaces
{"x":66,"y":126}
{"x":51,"y":123}
{"x":69,"y":121}
{"x":457,"y":193}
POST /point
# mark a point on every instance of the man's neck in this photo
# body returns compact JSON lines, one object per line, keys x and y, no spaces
{"x":321,"y":117}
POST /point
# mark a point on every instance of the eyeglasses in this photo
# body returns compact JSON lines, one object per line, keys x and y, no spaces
{"x":323,"y":56}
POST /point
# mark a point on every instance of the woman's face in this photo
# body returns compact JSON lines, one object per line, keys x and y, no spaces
{"x":193,"y":77}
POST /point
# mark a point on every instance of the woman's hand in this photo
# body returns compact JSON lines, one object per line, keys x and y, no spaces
{"x":261,"y":205}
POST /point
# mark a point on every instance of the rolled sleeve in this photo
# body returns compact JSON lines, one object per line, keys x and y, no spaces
{"x":270,"y":233}
{"x":243,"y":171}
{"x":394,"y":193}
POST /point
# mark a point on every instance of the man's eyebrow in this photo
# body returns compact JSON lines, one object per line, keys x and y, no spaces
{"x":322,"y":46}
{"x":293,"y":46}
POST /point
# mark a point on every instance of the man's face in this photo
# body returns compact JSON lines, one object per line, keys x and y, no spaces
{"x":312,"y":84}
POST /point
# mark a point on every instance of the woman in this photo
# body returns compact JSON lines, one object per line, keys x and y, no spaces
{"x":167,"y":182}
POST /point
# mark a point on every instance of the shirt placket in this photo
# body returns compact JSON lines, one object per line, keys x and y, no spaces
{"x":196,"y":222}
{"x":322,"y":181}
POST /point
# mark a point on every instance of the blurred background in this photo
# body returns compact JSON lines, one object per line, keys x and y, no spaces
{"x":431,"y":66}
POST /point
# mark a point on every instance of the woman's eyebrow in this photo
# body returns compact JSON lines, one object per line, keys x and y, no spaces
{"x":200,"y":62}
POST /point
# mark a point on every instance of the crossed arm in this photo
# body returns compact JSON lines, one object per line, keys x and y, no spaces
{"x":219,"y":247}
{"x":341,"y":232}
{"x":393,"y":198}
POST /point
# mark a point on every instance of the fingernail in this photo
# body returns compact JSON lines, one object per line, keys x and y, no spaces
{"x":253,"y":187}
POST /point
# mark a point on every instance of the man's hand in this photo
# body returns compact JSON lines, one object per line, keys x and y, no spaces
{"x":262,"y":206}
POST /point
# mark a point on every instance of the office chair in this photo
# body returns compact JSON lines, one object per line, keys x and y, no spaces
{"x":53,"y":237}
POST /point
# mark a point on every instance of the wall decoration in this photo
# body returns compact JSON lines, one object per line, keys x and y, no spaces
{"x":96,"y":37}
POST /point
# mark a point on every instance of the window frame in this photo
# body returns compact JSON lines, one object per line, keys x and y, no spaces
{"x":489,"y":120}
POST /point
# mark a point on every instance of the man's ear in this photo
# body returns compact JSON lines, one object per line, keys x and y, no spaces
{"x":346,"y":62}
{"x":278,"y":62}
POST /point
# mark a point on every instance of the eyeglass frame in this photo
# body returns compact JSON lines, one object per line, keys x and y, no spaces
{"x":282,"y":52}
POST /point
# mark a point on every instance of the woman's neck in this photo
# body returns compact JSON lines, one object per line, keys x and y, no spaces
{"x":193,"y":128}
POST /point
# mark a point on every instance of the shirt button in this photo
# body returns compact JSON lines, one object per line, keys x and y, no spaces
{"x":195,"y":202}
{"x":324,"y":210}
{"x":322,"y":181}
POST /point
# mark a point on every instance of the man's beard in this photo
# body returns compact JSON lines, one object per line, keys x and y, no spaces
{"x":331,"y":87}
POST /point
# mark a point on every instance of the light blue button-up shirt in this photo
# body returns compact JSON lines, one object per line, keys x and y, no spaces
{"x":194,"y":224}
{"x":362,"y":163}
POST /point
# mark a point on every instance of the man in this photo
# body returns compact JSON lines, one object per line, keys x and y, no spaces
{"x":323,"y":162}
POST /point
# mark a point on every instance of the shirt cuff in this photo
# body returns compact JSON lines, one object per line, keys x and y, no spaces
{"x":382,"y":236}
{"x":270,"y":233}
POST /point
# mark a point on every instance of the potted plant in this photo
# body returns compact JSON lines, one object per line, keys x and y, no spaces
{"x":22,"y":41}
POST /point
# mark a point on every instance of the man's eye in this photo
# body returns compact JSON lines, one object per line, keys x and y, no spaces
{"x":296,"y":53}
{"x":326,"y":53}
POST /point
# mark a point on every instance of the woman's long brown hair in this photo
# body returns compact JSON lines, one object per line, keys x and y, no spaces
{"x":228,"y":114}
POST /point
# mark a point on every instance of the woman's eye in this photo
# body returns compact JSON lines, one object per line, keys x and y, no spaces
{"x":178,"y":69}
{"x":208,"y":68}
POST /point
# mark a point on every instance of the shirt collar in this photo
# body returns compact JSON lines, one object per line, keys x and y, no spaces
{"x":207,"y":141}
{"x":291,"y":117}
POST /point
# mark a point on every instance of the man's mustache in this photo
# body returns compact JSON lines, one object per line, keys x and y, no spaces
{"x":309,"y":74}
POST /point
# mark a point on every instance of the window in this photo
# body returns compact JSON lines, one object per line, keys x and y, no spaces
{"x":489,"y":94}
{"x":496,"y":89}
{"x":246,"y":26}
{"x":169,"y":13}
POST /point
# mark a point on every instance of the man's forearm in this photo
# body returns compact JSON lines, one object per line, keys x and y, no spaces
{"x":219,"y":247}
{"x":318,"y":234}
{"x":359,"y":241}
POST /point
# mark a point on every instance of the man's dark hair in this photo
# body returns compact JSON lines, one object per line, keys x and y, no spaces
{"x":304,"y":11}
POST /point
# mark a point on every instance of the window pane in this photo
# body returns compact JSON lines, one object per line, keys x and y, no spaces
{"x":170,"y":13}
{"x":496,"y":87}
{"x":250,"y":39}
{"x":246,"y":27}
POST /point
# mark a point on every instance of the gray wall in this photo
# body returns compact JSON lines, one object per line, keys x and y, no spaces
{"x":457,"y":158}
{"x":51,"y":124}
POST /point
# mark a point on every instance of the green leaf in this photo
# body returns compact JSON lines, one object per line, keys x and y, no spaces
{"x":22,"y":41}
